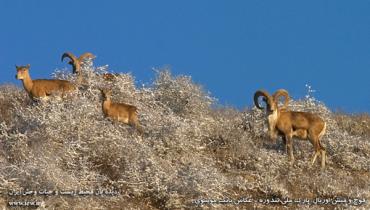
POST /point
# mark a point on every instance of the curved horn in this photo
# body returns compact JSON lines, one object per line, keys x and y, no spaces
{"x":74,"y":61}
{"x":278,"y":94}
{"x":262,"y":93}
{"x":86,"y":55}
{"x":70,"y":56}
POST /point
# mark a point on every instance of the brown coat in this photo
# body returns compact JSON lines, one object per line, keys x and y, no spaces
{"x":42,"y":87}
{"x":119,"y":111}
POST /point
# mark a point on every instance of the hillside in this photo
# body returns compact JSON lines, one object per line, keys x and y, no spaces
{"x":192,"y":149}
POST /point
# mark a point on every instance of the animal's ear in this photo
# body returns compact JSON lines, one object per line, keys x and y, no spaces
{"x":28,"y":66}
{"x":16,"y":66}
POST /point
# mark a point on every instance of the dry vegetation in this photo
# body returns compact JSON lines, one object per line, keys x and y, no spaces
{"x":358,"y":124}
{"x":191,"y":149}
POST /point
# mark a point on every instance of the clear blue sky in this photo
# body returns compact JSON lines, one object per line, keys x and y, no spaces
{"x":232,"y":48}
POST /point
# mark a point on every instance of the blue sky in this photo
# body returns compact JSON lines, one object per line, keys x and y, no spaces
{"x":232,"y":48}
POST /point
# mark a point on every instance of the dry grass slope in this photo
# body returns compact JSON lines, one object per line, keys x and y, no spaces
{"x":191,"y":149}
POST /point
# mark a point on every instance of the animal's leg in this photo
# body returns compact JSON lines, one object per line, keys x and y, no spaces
{"x":323,"y":158}
{"x":322,"y":149}
{"x":285,"y":144}
{"x":289,"y":144}
{"x":318,"y":150}
{"x":134,"y":122}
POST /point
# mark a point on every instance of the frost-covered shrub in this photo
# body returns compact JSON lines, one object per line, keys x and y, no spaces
{"x":354,"y":124}
{"x":180,"y":94}
{"x":190,"y":148}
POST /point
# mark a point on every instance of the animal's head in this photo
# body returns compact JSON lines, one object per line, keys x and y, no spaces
{"x":271,"y":101}
{"x":272,"y":109}
{"x":106,"y":93}
{"x":22,"y":71}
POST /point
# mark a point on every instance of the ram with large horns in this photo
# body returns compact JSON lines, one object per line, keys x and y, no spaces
{"x":289,"y":124}
{"x":76,"y":62}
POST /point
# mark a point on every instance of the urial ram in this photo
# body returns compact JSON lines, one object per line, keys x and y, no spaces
{"x":77,"y":63}
{"x":289,"y":124}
